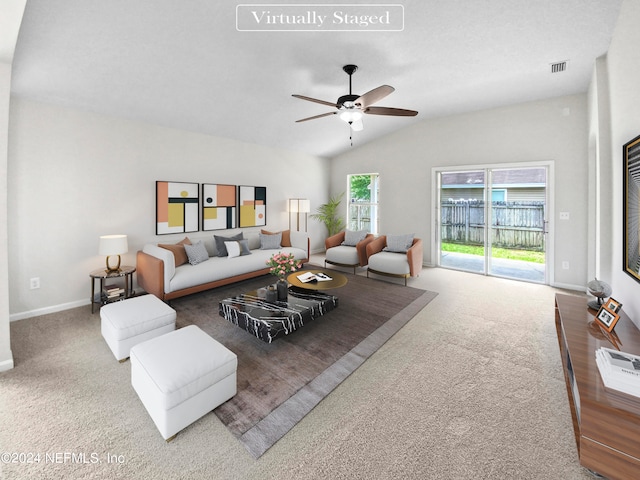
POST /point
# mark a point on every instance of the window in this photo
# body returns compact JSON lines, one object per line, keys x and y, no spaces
{"x":363,"y":198}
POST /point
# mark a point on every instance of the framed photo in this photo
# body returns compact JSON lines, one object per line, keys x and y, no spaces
{"x":177,"y":206}
{"x":607,"y":318}
{"x":631,"y":208}
{"x":613,"y":305}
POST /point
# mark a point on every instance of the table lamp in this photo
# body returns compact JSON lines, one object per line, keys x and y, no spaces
{"x":111,"y":245}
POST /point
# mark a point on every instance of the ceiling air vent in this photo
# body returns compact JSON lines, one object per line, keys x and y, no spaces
{"x":558,"y":67}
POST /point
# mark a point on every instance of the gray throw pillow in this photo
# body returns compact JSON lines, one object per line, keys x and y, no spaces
{"x":270,"y":242}
{"x":222,"y":250}
{"x":351,"y":238}
{"x":399,"y":243}
{"x":244,"y":247}
{"x":197,"y":253}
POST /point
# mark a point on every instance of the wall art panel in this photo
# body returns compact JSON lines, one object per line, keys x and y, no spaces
{"x":177,"y":207}
{"x":253,"y":206}
{"x":219,"y":207}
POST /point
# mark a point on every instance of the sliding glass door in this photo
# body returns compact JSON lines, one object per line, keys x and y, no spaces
{"x":462,"y":220}
{"x":493,"y":221}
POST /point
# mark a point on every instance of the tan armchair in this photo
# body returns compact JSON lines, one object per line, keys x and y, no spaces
{"x":346,"y":255}
{"x":402,"y":265}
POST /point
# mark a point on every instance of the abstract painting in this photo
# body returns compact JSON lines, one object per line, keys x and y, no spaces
{"x":177,"y":207}
{"x":253,"y":206}
{"x":218,"y":206}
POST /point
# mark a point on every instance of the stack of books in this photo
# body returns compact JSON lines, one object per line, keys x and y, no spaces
{"x":112,"y":291}
{"x":619,"y":370}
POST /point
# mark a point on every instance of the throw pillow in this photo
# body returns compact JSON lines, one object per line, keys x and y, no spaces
{"x":270,"y":242}
{"x":222,"y":250}
{"x":197,"y":253}
{"x":244,"y":247}
{"x":178,"y":251}
{"x":233,"y":249}
{"x":351,"y":238}
{"x":286,"y":236}
{"x":399,"y":243}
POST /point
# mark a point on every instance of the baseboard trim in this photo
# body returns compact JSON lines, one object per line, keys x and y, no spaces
{"x":7,"y":364}
{"x":569,"y":286}
{"x":43,"y":311}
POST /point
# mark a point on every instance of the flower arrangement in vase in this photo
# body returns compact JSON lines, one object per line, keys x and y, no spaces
{"x":281,"y":264}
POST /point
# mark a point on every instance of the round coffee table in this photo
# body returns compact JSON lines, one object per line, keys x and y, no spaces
{"x":337,"y":280}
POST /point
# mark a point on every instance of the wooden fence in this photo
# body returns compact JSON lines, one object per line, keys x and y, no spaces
{"x":518,"y":225}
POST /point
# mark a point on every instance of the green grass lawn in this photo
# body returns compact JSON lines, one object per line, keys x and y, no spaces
{"x":524,"y":255}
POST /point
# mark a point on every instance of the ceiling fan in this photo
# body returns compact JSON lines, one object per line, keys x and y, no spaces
{"x":351,"y":107}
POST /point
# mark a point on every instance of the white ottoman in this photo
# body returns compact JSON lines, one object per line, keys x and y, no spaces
{"x":181,"y":376}
{"x":134,"y":320}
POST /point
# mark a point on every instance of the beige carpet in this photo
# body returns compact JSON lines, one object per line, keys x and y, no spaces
{"x":471,"y":387}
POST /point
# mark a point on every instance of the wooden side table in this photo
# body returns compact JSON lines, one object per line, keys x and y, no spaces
{"x":337,"y":280}
{"x":101,"y":275}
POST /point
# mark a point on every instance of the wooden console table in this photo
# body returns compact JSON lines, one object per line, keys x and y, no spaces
{"x":606,"y":422}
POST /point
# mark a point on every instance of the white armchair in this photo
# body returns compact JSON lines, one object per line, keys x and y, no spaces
{"x":394,"y":263}
{"x":352,"y":254}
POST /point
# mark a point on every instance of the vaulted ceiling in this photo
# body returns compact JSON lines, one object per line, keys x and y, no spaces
{"x":186,"y":65}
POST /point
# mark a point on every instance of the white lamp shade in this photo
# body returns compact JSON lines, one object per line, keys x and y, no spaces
{"x":299,"y":205}
{"x":113,"y":245}
{"x":304,"y":205}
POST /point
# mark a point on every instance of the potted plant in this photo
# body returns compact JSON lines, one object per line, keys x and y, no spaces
{"x":327,"y":213}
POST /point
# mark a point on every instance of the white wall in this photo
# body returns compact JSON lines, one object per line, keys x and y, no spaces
{"x":624,"y":94}
{"x":6,"y":357}
{"x":11,"y":12}
{"x":549,"y":130}
{"x":74,"y":176}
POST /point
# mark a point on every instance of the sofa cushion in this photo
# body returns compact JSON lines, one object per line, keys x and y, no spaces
{"x":222,"y":250}
{"x":197,"y":253}
{"x":343,"y":254}
{"x":352,"y":238}
{"x":270,"y":242}
{"x":399,"y":243}
{"x":286,"y":236}
{"x":187,"y":276}
{"x":389,"y":262}
{"x":179,"y":253}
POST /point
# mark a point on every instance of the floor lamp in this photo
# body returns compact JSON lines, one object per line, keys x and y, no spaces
{"x":298,"y":206}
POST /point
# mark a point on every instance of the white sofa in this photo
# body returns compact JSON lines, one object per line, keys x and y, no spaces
{"x":157,"y":274}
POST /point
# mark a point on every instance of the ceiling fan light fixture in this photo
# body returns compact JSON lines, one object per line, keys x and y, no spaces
{"x":350,"y":115}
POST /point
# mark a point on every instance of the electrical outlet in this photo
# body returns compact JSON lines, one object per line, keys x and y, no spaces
{"x":34,"y":283}
{"x":565,"y":265}
{"x":564,"y":215}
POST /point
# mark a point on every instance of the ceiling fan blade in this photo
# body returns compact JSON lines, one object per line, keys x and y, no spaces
{"x":374,"y":96}
{"x":321,"y":102}
{"x":316,"y":116}
{"x":398,"y":112}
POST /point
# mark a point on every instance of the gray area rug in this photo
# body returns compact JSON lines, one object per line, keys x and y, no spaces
{"x":281,"y":382}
